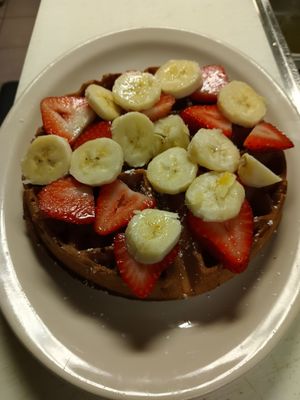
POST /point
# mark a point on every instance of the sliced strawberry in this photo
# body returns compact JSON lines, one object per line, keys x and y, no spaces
{"x":208,"y":117}
{"x":266,"y":137}
{"x":94,"y":131}
{"x":162,"y":108}
{"x":140,"y":278}
{"x":68,"y":200}
{"x":214,"y":78}
{"x":116,"y":204}
{"x":230,"y":241}
{"x":66,"y":116}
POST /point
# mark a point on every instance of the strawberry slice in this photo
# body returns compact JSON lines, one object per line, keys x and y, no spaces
{"x":162,"y":108}
{"x":68,"y":200}
{"x":208,"y":117}
{"x":116,"y":204}
{"x":230,"y":241}
{"x":266,"y":137}
{"x":94,"y":131}
{"x":214,"y":78}
{"x":140,"y":278}
{"x":66,"y":116}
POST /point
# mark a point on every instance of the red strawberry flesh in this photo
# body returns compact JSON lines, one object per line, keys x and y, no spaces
{"x":230,"y":241}
{"x":68,"y":200}
{"x":139,"y":277}
{"x":162,"y":108}
{"x":116,"y":204}
{"x":266,"y":137}
{"x":66,"y":116}
{"x":95,"y":131}
{"x":208,"y":117}
{"x":214,"y":78}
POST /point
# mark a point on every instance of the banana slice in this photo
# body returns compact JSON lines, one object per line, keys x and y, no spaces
{"x":158,"y":144}
{"x":215,"y":196}
{"x":135,"y":134}
{"x":240,"y":103}
{"x":179,"y":78}
{"x":173,"y":131}
{"x":47,"y":159}
{"x":171,"y":171}
{"x":101,"y":100}
{"x":253,"y":173}
{"x":97,"y":162}
{"x":151,"y":234}
{"x":211,"y":149}
{"x":136,"y":91}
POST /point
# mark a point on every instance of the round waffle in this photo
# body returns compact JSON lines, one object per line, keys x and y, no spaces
{"x":91,"y":257}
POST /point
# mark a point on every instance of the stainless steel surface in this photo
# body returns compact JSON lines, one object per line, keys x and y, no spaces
{"x":296,"y":58}
{"x":287,"y":13}
{"x":286,"y":64}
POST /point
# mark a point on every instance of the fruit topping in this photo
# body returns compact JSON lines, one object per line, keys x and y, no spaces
{"x":266,"y":137}
{"x":68,"y":200}
{"x":208,"y":117}
{"x":101,"y":100}
{"x":172,"y":132}
{"x":171,"y":171}
{"x":211,"y":149}
{"x":215,"y":196}
{"x":139,"y":277}
{"x":151,"y":234}
{"x":229,"y":241}
{"x":116,"y":204}
{"x":94,"y":131}
{"x":162,"y":108}
{"x":180,"y":78}
{"x":240,"y":103}
{"x":97,"y":162}
{"x":66,"y":116}
{"x":214,"y":78}
{"x":135,"y":134}
{"x":47,"y":159}
{"x":136,"y":91}
{"x":254,"y":173}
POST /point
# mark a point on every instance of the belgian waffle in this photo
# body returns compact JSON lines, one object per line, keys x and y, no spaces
{"x":91,"y":258}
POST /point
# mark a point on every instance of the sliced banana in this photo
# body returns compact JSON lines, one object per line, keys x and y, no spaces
{"x":215,"y":196}
{"x":211,"y":149}
{"x":97,"y":162}
{"x":157,"y":145}
{"x":179,"y":78}
{"x":136,"y":91}
{"x":101,"y":100}
{"x":240,"y":103}
{"x":171,"y":172}
{"x":135,"y":134}
{"x":253,"y":173}
{"x":151,"y":234}
{"x":47,"y":159}
{"x":173,"y":131}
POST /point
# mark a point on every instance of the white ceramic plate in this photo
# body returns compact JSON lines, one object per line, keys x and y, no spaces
{"x":116,"y":347}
